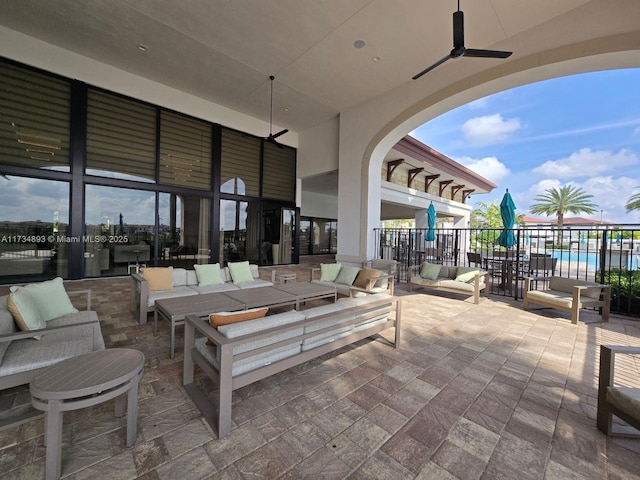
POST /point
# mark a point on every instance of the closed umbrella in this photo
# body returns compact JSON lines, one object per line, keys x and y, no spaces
{"x":430,"y":234}
{"x":508,"y":213}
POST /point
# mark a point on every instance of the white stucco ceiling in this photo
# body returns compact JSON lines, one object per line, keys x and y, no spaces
{"x":224,"y":51}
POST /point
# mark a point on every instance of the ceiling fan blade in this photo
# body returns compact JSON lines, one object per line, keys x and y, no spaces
{"x":272,"y":140}
{"x":472,"y":52}
{"x":281,"y":132}
{"x":428,"y":69}
{"x":458,"y":29}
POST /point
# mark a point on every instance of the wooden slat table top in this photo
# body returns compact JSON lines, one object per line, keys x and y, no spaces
{"x":305,"y":290}
{"x":87,"y":374}
{"x":262,"y":297}
{"x":203,"y":304}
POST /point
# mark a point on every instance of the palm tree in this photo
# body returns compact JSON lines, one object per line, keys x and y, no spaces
{"x":561,"y":200}
{"x":634,"y":202}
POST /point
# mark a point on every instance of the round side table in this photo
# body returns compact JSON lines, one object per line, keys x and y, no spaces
{"x":84,"y":381}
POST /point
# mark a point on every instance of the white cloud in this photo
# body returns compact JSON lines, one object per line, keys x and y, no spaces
{"x":587,"y":162}
{"x":489,"y":129}
{"x":488,"y":167}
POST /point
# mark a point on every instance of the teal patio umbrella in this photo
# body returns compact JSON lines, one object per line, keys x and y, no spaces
{"x":508,"y":213}
{"x":430,"y":234}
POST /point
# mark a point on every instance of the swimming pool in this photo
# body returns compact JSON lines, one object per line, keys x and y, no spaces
{"x":592,"y":259}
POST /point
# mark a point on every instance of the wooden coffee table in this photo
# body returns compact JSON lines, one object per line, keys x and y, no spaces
{"x":305,"y":291}
{"x":176,"y":309}
{"x":84,"y":381}
{"x":262,"y":297}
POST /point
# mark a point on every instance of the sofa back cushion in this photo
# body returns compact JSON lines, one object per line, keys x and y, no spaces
{"x":162,"y":278}
{"x":252,"y":326}
{"x":448,"y":272}
{"x":566,"y":285}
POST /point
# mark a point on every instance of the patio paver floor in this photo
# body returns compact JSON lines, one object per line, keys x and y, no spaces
{"x":475,"y":392}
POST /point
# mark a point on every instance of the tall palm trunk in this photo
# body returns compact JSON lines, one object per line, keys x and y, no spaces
{"x":560,"y":224}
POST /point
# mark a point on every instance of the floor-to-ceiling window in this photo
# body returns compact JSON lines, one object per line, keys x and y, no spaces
{"x":318,"y":236}
{"x":134,"y":184}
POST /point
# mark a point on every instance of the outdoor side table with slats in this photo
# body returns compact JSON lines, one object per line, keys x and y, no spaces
{"x":84,"y":381}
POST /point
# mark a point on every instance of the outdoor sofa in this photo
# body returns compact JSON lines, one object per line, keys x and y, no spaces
{"x":465,"y":280}
{"x":56,"y":331}
{"x":568,"y":294}
{"x":183,"y":283}
{"x":245,"y":352}
{"x":353,"y":281}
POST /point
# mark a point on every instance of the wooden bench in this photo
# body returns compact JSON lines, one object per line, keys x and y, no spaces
{"x":248,"y":351}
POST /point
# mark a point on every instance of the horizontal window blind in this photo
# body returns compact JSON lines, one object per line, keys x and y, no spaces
{"x":240,"y":169}
{"x":278,"y":180}
{"x":121,"y":138}
{"x":34,"y":119}
{"x":185,"y":151}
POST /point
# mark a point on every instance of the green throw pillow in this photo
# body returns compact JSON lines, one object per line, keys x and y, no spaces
{"x":240,"y":272}
{"x":51,"y":299}
{"x":329,"y":271}
{"x":347,"y":275}
{"x":208,"y":274}
{"x":430,"y":271}
{"x":466,"y":274}
{"x":23,"y":308}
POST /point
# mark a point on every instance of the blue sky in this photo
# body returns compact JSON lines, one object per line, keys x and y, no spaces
{"x":582,"y":130}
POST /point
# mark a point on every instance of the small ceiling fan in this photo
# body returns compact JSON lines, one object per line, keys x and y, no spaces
{"x":459,"y":49}
{"x":272,"y":136}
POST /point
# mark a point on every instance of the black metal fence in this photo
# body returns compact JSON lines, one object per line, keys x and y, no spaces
{"x":606,"y":254}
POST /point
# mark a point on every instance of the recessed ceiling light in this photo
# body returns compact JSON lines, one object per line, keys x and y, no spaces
{"x":359,"y":43}
{"x":286,"y":109}
{"x":142,"y":48}
{"x":376,"y":58}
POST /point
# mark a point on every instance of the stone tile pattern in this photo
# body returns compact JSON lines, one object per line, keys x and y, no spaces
{"x":475,"y":392}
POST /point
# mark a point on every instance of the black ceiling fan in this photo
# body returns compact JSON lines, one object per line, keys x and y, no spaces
{"x":272,"y":136}
{"x":459,"y":49}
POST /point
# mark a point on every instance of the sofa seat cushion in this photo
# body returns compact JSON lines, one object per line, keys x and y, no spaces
{"x":183,"y":291}
{"x":247,"y":364}
{"x":560,"y":299}
{"x":373,"y":290}
{"x":341,"y":288}
{"x":222,"y":287}
{"x":626,"y":399}
{"x":256,"y":282}
{"x":456,"y":285}
{"x":27,"y":354}
{"x":552,"y":297}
